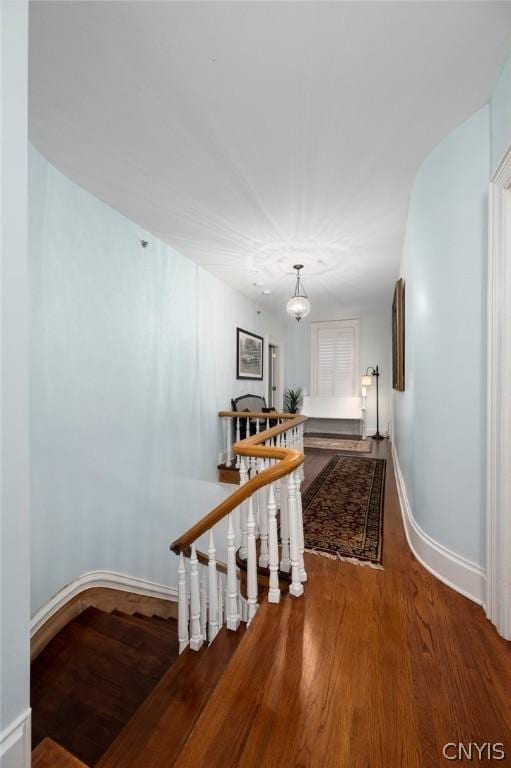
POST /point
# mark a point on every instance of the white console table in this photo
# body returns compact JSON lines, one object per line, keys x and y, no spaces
{"x":335,"y":414}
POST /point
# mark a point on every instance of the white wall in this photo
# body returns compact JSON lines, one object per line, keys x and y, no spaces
{"x":133,"y":352}
{"x":14,"y":538}
{"x":375,"y":349}
{"x":440,"y":418}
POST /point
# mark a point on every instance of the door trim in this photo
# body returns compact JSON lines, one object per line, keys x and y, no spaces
{"x":498,"y":449}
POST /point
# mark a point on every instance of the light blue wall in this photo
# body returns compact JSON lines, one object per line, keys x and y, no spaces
{"x":132,"y":355}
{"x":375,"y":349}
{"x":439,"y":419}
{"x":14,"y":517}
{"x":501,"y":116}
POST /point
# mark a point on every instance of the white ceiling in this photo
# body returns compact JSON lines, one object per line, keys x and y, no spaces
{"x":252,"y":135}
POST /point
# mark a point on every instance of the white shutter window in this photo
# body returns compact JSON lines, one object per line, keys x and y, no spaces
{"x":335,"y":362}
{"x":335,"y":358}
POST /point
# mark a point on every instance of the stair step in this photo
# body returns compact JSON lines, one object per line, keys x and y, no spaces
{"x":167,"y":625}
{"x":156,"y":629}
{"x":116,"y":657}
{"x":92,"y":677}
{"x":157,"y":732}
{"x":49,"y":754}
{"x":122,"y":627}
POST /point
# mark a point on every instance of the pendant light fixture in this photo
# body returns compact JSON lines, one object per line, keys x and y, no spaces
{"x":298,"y":305}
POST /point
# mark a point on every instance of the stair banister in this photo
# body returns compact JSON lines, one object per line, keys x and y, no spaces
{"x":270,"y":464}
{"x":290,"y":459}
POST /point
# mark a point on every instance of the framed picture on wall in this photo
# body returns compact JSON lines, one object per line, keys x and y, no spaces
{"x":249,"y":355}
{"x":398,"y":337}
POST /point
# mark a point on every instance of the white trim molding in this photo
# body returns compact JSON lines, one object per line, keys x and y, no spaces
{"x":498,"y":456}
{"x":105,"y":579}
{"x":15,"y":743}
{"x":452,"y":569}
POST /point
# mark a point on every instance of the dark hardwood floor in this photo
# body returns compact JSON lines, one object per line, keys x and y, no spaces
{"x":93,"y":676}
{"x":370,"y":669}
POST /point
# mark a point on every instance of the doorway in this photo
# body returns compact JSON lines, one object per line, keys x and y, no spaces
{"x":274,"y":387}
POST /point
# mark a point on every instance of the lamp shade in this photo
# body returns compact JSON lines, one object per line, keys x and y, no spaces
{"x":367,"y":381}
{"x":298,"y":307}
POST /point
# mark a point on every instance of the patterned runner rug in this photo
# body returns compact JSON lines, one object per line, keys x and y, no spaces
{"x":338,"y":444}
{"x":343,"y":511}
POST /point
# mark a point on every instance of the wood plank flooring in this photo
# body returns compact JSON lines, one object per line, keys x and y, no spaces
{"x":157,"y":732}
{"x":370,"y":669}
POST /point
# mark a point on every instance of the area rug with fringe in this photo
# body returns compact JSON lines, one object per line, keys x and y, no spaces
{"x":343,"y":510}
{"x":338,"y":444}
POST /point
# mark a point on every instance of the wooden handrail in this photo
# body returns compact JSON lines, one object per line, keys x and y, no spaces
{"x":290,"y":459}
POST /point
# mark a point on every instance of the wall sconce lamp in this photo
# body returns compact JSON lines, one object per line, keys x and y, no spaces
{"x":367,"y":380}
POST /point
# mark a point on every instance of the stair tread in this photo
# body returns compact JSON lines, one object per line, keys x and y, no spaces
{"x":157,"y":629}
{"x":158,"y":730}
{"x":166,"y":625}
{"x":124,"y":628}
{"x":49,"y":754}
{"x":119,"y":657}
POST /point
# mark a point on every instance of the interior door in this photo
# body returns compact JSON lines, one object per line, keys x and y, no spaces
{"x":273,"y":376}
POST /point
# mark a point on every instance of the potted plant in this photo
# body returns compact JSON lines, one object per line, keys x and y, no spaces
{"x":293,"y":400}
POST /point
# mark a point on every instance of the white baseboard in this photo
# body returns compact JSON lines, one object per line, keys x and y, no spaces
{"x":107,"y":579}
{"x":15,"y":743}
{"x":456,"y":571}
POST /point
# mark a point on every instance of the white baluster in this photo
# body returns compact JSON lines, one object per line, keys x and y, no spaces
{"x":243,"y":609}
{"x":228,"y":452}
{"x":296,"y":586}
{"x":273,"y":558}
{"x":277,"y":487}
{"x":197,"y":638}
{"x":251,"y":563}
{"x":238,"y":458}
{"x":220,"y":587}
{"x":233,"y":613}
{"x":258,"y":501}
{"x":203,"y":605}
{"x":182,"y":605}
{"x":213,"y":623}
{"x":285,"y":562}
{"x":243,"y":510}
{"x":299,"y":518}
{"x":263,"y":521}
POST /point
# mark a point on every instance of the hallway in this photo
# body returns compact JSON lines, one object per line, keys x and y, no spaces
{"x":372,"y":669}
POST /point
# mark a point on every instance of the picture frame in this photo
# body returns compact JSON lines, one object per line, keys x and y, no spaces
{"x":398,"y":337}
{"x":249,"y":355}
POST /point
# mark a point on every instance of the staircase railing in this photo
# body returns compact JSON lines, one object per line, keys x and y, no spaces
{"x":264,"y":513}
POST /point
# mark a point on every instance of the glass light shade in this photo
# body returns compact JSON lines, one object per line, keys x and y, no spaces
{"x":367,"y":381}
{"x":298,"y":307}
